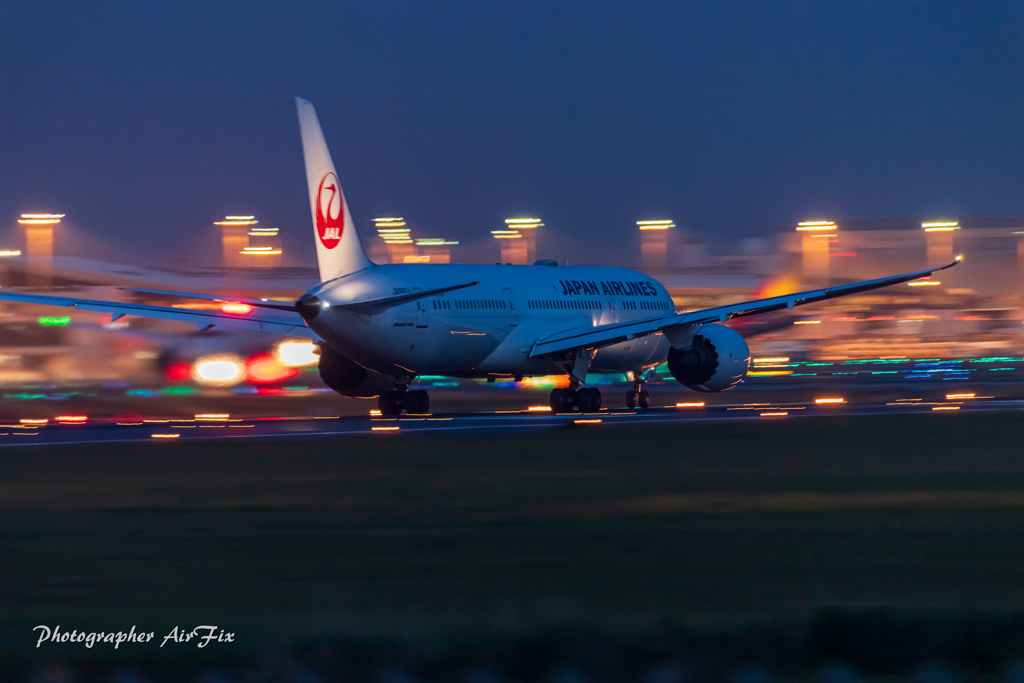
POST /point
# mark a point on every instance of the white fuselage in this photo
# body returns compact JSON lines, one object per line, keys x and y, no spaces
{"x":490,"y":328}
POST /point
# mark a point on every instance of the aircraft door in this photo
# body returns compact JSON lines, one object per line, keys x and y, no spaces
{"x":421,"y":313}
{"x":513,"y":309}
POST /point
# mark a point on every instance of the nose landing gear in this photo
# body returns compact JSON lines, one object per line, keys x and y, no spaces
{"x":638,"y":396}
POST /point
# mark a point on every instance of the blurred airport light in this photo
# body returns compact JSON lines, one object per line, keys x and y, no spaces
{"x":815,"y":249}
{"x":218,"y":370}
{"x":940,"y":240}
{"x":6,"y":253}
{"x":265,"y":369}
{"x":519,"y":248}
{"x":397,"y":241}
{"x":235,"y":308}
{"x":654,"y":237}
{"x":297,"y":353}
{"x":941,"y":226}
{"x":39,"y":237}
{"x":234,"y":237}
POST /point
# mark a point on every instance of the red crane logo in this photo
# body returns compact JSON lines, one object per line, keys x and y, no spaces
{"x":330,"y":215}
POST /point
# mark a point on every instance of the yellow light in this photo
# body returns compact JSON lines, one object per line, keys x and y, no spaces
{"x":781,"y":413}
{"x":525,"y":223}
{"x":230,"y":220}
{"x":941,"y":226}
{"x":946,"y":408}
{"x":10,"y":252}
{"x":655,"y":225}
{"x":72,"y":419}
{"x":539,"y":409}
{"x":263,"y":232}
{"x":239,"y":218}
{"x":297,"y":353}
{"x":219,"y":370}
{"x":397,"y":241}
{"x":822,"y":401}
{"x":260,"y":251}
{"x":940,"y":229}
{"x":697,"y":404}
{"x":42,"y":215}
{"x":504,"y":232}
{"x":375,"y":413}
{"x":780,"y":359}
{"x":27,"y":421}
{"x":581,"y":422}
{"x":952,"y":396}
{"x":213,"y":417}
{"x":395,"y":231}
{"x":159,"y":436}
{"x":384,"y":429}
{"x":770,"y":373}
{"x":235,"y":308}
{"x":807,"y":322}
{"x":507,"y":237}
{"x":416,"y":259}
{"x":923,"y":283}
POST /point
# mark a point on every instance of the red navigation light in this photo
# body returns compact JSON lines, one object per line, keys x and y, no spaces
{"x":265,"y":369}
{"x":235,"y":308}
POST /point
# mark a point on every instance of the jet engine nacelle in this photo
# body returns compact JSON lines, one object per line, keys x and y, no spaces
{"x":349,"y":378}
{"x":717,"y":359}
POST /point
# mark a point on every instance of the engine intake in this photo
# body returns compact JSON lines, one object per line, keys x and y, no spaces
{"x":717,"y":359}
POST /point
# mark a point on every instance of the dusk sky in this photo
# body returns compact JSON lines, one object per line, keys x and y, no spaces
{"x":145,"y":122}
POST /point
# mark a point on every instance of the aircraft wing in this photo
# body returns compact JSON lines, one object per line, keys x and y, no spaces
{"x":605,"y":335}
{"x":259,"y":303}
{"x":266,"y":321}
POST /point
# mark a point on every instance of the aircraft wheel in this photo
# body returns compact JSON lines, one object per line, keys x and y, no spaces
{"x":561,"y":400}
{"x":593,"y":400}
{"x":390,"y":403}
{"x":644,"y":400}
{"x":631,"y":399}
{"x":417,"y":402}
{"x":584,"y":400}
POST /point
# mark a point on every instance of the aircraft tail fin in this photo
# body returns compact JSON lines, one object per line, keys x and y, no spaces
{"x":338,"y":250}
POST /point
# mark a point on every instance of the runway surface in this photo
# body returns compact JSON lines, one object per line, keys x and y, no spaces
{"x":776,"y":389}
{"x":69,"y":430}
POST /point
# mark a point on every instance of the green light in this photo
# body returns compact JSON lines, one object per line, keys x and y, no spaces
{"x":51,"y":322}
{"x":178,"y":391}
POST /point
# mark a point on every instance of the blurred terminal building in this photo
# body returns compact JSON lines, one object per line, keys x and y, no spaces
{"x":976,"y":308}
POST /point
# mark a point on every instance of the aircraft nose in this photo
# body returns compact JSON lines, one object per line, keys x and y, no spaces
{"x":309,"y":306}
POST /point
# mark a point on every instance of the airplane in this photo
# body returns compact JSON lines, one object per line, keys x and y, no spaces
{"x":378,"y":327}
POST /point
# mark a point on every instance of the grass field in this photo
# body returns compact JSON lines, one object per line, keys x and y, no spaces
{"x":432,"y":541}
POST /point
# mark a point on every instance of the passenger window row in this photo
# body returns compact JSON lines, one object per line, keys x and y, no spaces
{"x":645,"y":305}
{"x":577,"y":304}
{"x":471,"y":304}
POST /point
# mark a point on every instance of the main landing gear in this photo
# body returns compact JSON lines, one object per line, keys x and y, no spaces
{"x":412,"y":401}
{"x":588,"y":399}
{"x":638,"y":396}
